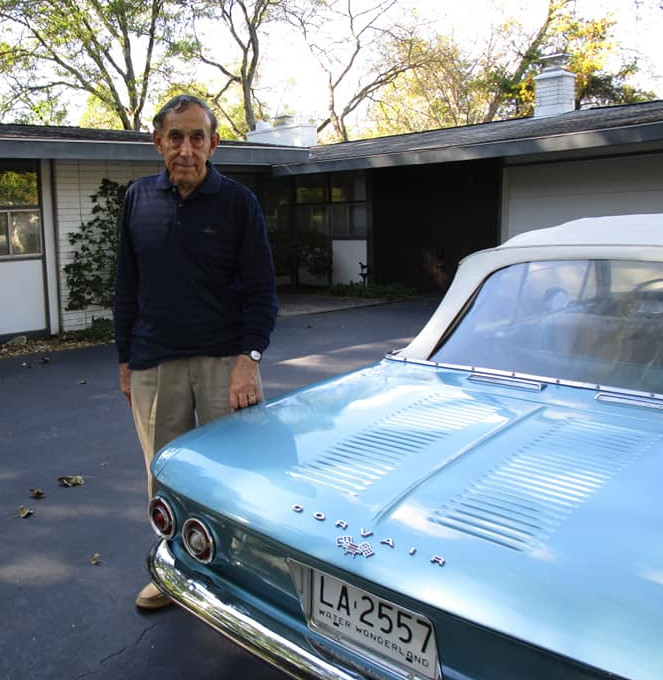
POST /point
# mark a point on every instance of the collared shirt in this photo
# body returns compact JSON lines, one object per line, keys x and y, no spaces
{"x":195,"y":275}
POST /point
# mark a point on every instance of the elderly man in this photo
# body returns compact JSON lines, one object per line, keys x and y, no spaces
{"x":195,"y":300}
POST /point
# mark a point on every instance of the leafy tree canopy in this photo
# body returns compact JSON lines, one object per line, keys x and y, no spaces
{"x":452,"y":87}
{"x":124,"y":57}
{"x":110,"y":50}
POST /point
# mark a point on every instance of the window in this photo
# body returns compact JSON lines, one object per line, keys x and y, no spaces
{"x":20,"y":221}
{"x":348,"y":220}
{"x":312,"y":218}
{"x":597,"y":322}
{"x":333,"y":204}
{"x":347,"y":186}
{"x":276,"y":200}
{"x":311,"y":189}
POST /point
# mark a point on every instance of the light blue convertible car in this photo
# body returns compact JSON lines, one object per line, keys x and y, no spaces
{"x":486,"y":503}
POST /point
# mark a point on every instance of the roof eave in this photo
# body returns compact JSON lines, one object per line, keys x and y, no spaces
{"x":650,"y":134}
{"x":226,"y":154}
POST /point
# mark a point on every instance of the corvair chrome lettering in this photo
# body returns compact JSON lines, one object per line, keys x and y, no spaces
{"x":365,"y":549}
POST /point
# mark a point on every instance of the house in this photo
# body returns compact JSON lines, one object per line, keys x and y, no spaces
{"x":404,"y":208}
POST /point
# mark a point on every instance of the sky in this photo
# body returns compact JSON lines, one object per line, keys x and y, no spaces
{"x":639,"y":29}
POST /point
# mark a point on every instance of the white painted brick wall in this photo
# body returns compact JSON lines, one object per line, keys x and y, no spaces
{"x":74,"y":183}
{"x":555,"y":93}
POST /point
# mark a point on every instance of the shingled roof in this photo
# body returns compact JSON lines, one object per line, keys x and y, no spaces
{"x":598,"y":129}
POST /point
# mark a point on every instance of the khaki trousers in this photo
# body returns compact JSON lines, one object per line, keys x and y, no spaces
{"x":172,"y":398}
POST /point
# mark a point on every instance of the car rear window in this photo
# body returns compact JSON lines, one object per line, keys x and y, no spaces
{"x":592,"y":321}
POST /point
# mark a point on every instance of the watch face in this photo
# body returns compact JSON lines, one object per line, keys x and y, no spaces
{"x":255,"y":355}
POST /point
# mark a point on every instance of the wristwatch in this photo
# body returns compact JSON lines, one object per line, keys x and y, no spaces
{"x":254,"y":354}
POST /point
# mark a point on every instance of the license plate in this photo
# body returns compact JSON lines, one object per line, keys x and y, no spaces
{"x":359,"y":619}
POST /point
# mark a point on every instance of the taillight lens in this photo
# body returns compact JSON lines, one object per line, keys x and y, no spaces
{"x":198,"y":540}
{"x":162,"y":517}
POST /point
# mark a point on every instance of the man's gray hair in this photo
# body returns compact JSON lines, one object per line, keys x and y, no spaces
{"x":180,"y":103}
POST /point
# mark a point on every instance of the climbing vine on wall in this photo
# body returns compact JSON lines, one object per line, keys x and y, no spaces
{"x":91,"y":273}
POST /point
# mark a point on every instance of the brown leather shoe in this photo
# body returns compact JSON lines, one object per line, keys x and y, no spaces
{"x":150,"y":597}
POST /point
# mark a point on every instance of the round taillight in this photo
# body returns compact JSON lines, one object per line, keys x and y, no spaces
{"x":162,"y":518}
{"x":198,"y":540}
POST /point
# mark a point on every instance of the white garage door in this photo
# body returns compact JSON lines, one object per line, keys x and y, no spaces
{"x":537,"y":196}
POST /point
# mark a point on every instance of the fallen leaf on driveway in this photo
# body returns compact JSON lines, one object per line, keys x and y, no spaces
{"x":37,"y":493}
{"x":24,"y":512}
{"x":71,"y":480}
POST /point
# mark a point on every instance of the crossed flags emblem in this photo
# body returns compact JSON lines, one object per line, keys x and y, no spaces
{"x":351,"y":548}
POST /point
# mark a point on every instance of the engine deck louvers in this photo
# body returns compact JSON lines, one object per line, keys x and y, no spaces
{"x":520,"y":503}
{"x":354,"y":464}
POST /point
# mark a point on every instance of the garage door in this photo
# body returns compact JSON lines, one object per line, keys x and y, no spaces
{"x":537,"y":196}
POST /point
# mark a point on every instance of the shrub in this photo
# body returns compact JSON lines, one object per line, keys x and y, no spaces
{"x":392,"y":291}
{"x":294,"y":250}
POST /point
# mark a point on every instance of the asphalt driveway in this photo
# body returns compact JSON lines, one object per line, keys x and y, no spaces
{"x":70,"y":570}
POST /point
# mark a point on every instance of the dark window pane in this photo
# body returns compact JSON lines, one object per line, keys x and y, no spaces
{"x":18,"y":188}
{"x":275,"y":199}
{"x":348,"y":220}
{"x":274,"y":191}
{"x":283,"y":218}
{"x":312,"y":219}
{"x":248,"y":180}
{"x":311,"y":189}
{"x":24,"y":233}
{"x":340,"y":219}
{"x":358,"y":220}
{"x":348,"y":187}
{"x":4,"y":234}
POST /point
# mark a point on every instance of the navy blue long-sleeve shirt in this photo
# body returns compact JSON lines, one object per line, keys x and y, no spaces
{"x":195,"y":276}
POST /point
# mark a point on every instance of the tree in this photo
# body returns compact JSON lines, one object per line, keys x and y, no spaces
{"x":345,"y":37}
{"x":245,"y":22}
{"x":442,"y":91}
{"x":98,"y":115}
{"x":109,"y":49}
{"x":451,"y":87}
{"x":228,"y":109}
{"x":589,"y":44}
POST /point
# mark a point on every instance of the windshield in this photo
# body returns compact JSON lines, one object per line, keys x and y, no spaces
{"x":593,"y":321}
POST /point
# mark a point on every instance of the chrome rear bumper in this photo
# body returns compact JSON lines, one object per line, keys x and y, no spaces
{"x":251,"y":628}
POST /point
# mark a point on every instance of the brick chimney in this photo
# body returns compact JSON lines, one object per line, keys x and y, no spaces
{"x":555,"y":87}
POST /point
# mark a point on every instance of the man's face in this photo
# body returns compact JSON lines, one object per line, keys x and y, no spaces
{"x":186,"y":143}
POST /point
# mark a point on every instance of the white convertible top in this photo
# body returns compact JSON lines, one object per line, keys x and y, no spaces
{"x":631,"y":237}
{"x":611,"y":230}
